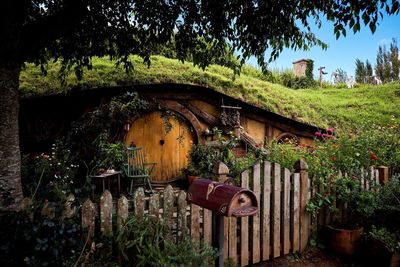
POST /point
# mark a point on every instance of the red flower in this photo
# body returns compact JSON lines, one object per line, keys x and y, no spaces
{"x":373,"y":156}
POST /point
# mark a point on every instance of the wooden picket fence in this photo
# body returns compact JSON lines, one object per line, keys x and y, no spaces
{"x":368,"y":180}
{"x":280,"y":227}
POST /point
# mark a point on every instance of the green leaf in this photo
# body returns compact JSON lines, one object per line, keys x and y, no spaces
{"x":395,"y":7}
{"x":372,"y":26}
{"x":356,"y":27}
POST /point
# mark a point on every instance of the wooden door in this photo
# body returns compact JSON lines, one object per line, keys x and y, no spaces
{"x":169,"y":148}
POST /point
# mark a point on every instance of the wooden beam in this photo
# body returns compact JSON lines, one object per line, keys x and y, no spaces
{"x":213,"y":121}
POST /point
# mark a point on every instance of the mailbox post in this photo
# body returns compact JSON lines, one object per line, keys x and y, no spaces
{"x":222,"y":200}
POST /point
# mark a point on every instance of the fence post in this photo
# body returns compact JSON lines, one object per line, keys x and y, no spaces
{"x":182,"y":218}
{"x":122,"y":211}
{"x":221,"y":171}
{"x":383,"y":174}
{"x":169,"y":209}
{"x":88,"y":219}
{"x":301,"y":167}
{"x":138,"y":203}
{"x":106,"y":213}
{"x":69,"y":210}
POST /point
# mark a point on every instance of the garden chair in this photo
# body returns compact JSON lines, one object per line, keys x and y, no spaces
{"x":137,"y":167}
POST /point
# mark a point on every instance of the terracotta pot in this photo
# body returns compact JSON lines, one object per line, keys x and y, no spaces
{"x":343,"y":241}
{"x":380,"y":255}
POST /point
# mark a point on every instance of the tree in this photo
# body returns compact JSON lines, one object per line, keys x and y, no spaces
{"x":379,"y":63}
{"x":360,"y":71}
{"x":369,"y":72}
{"x":387,"y":67}
{"x":394,"y":60}
{"x":73,"y":31}
{"x":341,"y":76}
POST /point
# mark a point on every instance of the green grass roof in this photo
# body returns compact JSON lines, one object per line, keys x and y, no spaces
{"x":345,"y":109}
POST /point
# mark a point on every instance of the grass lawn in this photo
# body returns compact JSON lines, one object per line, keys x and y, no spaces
{"x":345,"y":109}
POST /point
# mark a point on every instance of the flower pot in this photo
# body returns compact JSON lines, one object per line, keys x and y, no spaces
{"x":343,"y":241}
{"x":380,"y":255}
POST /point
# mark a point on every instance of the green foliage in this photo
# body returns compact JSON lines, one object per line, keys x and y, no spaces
{"x":379,"y":69}
{"x":390,"y":239}
{"x":387,"y":212}
{"x":30,"y":239}
{"x":394,"y":60}
{"x":51,"y":176}
{"x":288,"y":79}
{"x":146,"y":242}
{"x":109,"y":155}
{"x":328,"y":156}
{"x":310,"y":70}
{"x":343,"y":109}
{"x":202,"y":158}
{"x":95,"y":137}
{"x":361,"y":71}
{"x":341,"y":78}
{"x":387,"y":66}
{"x":369,"y":72}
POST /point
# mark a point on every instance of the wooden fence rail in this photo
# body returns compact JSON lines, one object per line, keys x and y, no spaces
{"x":281,"y":226}
{"x":276,"y":230}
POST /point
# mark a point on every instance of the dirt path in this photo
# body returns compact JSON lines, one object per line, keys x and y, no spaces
{"x":310,"y":258}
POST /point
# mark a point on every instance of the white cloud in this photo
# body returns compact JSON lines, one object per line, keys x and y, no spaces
{"x":385,"y":42}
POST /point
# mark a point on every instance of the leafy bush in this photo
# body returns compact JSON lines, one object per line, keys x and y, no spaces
{"x":30,"y":239}
{"x":50,"y":176}
{"x":202,"y":158}
{"x":387,"y":212}
{"x":288,"y":79}
{"x":327,"y":157}
{"x":109,"y":155}
{"x":146,"y":242}
{"x":390,"y":239}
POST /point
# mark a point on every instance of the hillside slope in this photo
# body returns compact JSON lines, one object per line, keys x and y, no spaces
{"x":342,"y":108}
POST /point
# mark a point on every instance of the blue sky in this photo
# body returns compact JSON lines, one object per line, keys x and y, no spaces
{"x":342,"y":53}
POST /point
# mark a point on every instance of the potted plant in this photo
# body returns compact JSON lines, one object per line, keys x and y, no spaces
{"x":383,"y":247}
{"x":201,"y":161}
{"x":353,"y":208}
{"x":358,"y":206}
{"x":191,"y":173}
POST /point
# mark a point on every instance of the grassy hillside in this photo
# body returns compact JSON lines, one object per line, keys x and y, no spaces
{"x":342,"y":108}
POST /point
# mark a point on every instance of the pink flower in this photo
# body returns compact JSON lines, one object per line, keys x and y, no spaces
{"x":318,"y":133}
{"x":331,"y":130}
{"x":327,"y":136}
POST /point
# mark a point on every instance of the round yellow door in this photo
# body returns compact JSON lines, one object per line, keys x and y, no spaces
{"x":165,"y":141}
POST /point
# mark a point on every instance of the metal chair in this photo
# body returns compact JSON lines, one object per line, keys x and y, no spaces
{"x":137,"y":167}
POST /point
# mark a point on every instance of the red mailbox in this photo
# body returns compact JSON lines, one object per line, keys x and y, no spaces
{"x":223,"y":199}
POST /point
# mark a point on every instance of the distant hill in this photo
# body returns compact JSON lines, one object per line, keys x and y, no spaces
{"x":345,"y":109}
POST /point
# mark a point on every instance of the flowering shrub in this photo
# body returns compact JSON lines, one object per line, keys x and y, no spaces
{"x":330,"y":157}
{"x":49,"y":176}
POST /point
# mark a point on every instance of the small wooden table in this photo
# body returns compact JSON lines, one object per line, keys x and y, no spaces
{"x":106,"y":176}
